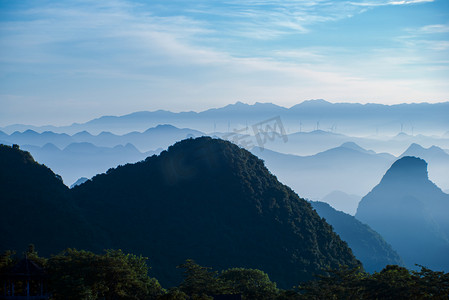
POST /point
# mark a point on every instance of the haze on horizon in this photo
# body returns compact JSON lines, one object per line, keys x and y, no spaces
{"x":71,"y":61}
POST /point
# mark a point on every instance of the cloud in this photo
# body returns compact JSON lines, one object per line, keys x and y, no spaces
{"x":436,"y":28}
{"x":384,"y":3}
{"x":409,"y":2}
{"x":93,"y":55}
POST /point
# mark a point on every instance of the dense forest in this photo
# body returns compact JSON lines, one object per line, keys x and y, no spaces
{"x":115,"y":275}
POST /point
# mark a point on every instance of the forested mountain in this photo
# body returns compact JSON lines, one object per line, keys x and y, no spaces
{"x":36,"y":207}
{"x":410,"y":212}
{"x":367,"y":245}
{"x":204,"y":198}
{"x":212,"y":201}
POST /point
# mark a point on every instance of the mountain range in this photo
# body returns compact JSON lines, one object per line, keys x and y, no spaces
{"x":349,"y":118}
{"x":203,"y":198}
{"x":316,"y":176}
{"x":153,"y":138}
{"x":85,"y":159}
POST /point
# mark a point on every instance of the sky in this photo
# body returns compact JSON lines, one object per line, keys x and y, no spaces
{"x":71,"y":61}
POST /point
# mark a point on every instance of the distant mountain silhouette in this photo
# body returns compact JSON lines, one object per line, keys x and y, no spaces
{"x":79,"y":181}
{"x":212,"y":201}
{"x":438,"y":161}
{"x":411,"y":213}
{"x":85,"y":159}
{"x":36,"y":207}
{"x":367,"y":245}
{"x":339,"y":200}
{"x":338,"y":168}
{"x":352,"y":117}
{"x":160,"y":136}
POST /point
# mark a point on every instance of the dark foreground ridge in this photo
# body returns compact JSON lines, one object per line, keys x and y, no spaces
{"x":209,"y":200}
{"x":204,"y":199}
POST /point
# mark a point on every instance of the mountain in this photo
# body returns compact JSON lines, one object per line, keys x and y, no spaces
{"x":209,"y":200}
{"x":411,"y":213}
{"x":342,"y":201}
{"x":160,"y":136}
{"x":338,"y":168}
{"x":348,"y":118}
{"x":79,"y":181}
{"x":36,"y":207}
{"x":367,"y":245}
{"x":85,"y":159}
{"x":438,"y":161}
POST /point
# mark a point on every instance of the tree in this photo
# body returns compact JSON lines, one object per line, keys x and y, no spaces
{"x":393,"y":282}
{"x":114,"y":275}
{"x":430,"y":284}
{"x":251,"y":283}
{"x":342,"y":283}
{"x":200,"y":280}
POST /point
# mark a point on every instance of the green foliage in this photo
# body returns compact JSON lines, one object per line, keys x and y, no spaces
{"x":250,"y":283}
{"x":32,"y":254}
{"x":393,"y":282}
{"x":114,"y":275}
{"x":200,"y":280}
{"x":6,"y":260}
{"x":342,"y":283}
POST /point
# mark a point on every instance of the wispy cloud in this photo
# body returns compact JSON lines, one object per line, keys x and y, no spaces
{"x":389,"y":2}
{"x":436,"y":28}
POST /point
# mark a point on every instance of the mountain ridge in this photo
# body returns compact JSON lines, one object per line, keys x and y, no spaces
{"x":374,"y":115}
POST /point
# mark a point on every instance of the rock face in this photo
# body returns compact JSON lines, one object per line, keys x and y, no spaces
{"x":411,"y":213}
{"x":367,"y":245}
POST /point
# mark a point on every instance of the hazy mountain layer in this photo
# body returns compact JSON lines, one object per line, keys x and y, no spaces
{"x":339,"y":168}
{"x":342,"y":201}
{"x":438,"y":163}
{"x":348,"y":118}
{"x":85,"y":159}
{"x":411,"y":213}
{"x":160,"y":136}
{"x":367,"y":245}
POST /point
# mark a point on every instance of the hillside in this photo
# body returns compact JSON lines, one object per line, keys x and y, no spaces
{"x":204,"y":199}
{"x":35,"y":207}
{"x":212,"y":201}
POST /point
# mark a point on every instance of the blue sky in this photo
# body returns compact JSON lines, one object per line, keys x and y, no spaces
{"x":66,"y":61}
